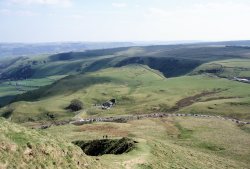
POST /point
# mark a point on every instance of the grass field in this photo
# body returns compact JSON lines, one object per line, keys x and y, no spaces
{"x":138,"y":89}
{"x":9,"y":89}
{"x":21,"y":86}
{"x":24,"y":148}
{"x":180,"y":142}
{"x":193,"y":79}
{"x":173,"y":142}
{"x":226,"y":68}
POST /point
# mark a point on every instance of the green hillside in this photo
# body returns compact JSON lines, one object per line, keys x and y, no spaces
{"x":38,"y":93}
{"x":10,"y":88}
{"x":179,"y":142}
{"x":171,"y":60}
{"x":137,"y":89}
{"x":226,"y":68}
{"x":24,"y":148}
{"x":160,"y":143}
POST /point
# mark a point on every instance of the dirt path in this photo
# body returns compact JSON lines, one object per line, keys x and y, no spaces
{"x":141,"y":158}
{"x":191,"y":100}
{"x":129,"y":164}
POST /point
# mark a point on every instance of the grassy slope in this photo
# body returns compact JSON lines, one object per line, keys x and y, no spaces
{"x":180,"y":142}
{"x":172,"y":60}
{"x":25,"y":148}
{"x":137,"y":89}
{"x":9,"y":89}
{"x":226,"y":68}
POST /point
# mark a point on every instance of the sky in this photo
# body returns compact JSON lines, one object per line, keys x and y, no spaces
{"x":123,"y":20}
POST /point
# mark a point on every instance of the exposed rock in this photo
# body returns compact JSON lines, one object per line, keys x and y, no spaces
{"x":108,"y":104}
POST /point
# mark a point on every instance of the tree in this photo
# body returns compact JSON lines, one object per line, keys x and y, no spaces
{"x":75,"y":105}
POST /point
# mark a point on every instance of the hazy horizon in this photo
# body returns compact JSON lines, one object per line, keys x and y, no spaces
{"x":40,"y":21}
{"x":153,"y":41}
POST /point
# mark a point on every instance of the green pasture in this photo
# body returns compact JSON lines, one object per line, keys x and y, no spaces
{"x":138,"y":90}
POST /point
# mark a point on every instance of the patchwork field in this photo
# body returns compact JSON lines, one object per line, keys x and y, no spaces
{"x":21,"y":86}
{"x":10,"y":88}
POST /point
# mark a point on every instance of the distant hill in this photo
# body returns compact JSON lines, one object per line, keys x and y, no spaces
{"x":171,"y":60}
{"x":29,"y":49}
{"x":230,"y":43}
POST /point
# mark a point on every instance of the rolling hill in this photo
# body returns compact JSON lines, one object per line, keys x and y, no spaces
{"x":171,"y":60}
{"x":172,"y":69}
{"x":137,"y":89}
{"x":193,"y":83}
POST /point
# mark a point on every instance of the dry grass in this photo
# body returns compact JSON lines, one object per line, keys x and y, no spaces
{"x":173,"y":142}
{"x":105,"y":129}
